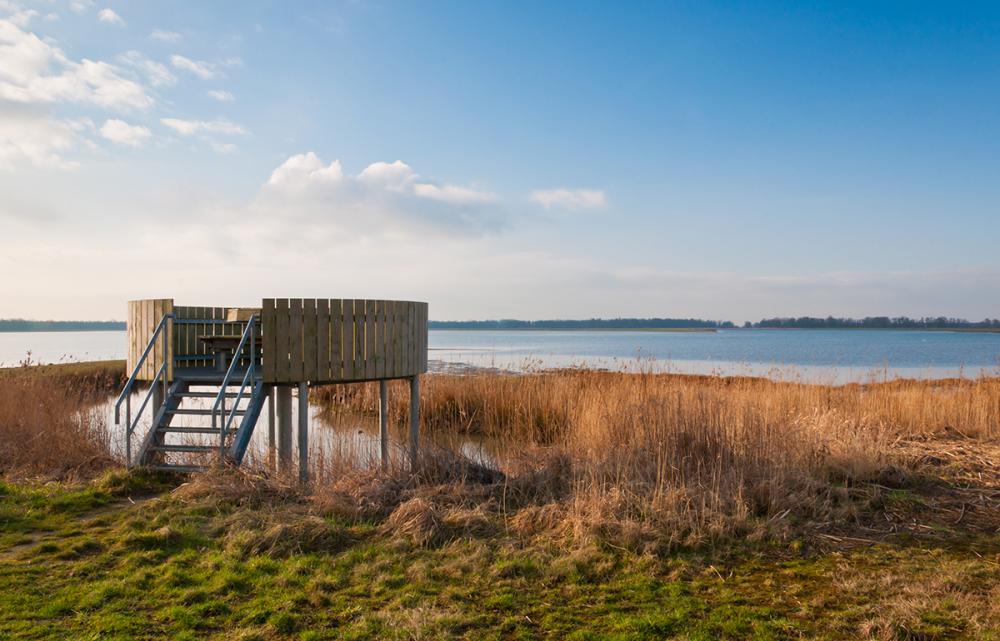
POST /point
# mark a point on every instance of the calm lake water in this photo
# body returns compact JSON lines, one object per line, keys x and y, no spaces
{"x":821,"y":355}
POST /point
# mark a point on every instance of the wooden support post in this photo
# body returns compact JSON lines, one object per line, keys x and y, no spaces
{"x":284,"y":410}
{"x":383,"y":421}
{"x":303,"y":432}
{"x":270,"y":427}
{"x":414,"y":420}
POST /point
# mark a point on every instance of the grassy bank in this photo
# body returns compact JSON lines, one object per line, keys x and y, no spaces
{"x":236,"y":558}
{"x":617,"y":506}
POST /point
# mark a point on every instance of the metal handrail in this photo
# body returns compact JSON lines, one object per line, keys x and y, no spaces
{"x":220,"y":401}
{"x":126,"y":395}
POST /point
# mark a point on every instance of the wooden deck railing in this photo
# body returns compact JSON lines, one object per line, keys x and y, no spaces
{"x":332,"y":340}
{"x":314,"y":340}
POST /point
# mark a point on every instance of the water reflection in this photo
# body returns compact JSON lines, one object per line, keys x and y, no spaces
{"x":335,"y":437}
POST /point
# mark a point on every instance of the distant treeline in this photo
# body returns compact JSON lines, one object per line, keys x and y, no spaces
{"x":593,"y":323}
{"x":21,"y":325}
{"x":876,"y":322}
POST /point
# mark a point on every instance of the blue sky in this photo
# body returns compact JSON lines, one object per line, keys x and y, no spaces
{"x":723,"y":160}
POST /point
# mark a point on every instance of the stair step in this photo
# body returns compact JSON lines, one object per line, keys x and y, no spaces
{"x":169,"y":447}
{"x":191,"y":430}
{"x":181,"y":469}
{"x":208,"y":394}
{"x":204,"y":412}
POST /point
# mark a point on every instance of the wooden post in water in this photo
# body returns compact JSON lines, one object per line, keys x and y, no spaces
{"x":284,"y":410}
{"x":303,"y":432}
{"x":383,"y":421}
{"x":270,"y":427}
{"x":414,"y":420}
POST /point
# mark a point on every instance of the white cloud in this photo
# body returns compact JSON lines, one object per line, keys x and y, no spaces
{"x":221,"y":95}
{"x":110,"y":17}
{"x":396,"y":176}
{"x":191,"y":127}
{"x":400,"y":177}
{"x":389,"y":196}
{"x":570,"y":198}
{"x":34,"y":71}
{"x":303,"y":170}
{"x":35,"y":139}
{"x":453,"y":194}
{"x":156,"y":73}
{"x":119,"y":131}
{"x":203,"y":70}
{"x":79,"y":6}
{"x":165,"y":36}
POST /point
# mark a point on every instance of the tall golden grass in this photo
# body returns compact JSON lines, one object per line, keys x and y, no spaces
{"x":669,"y":459}
{"x":51,"y":419}
{"x":636,"y":458}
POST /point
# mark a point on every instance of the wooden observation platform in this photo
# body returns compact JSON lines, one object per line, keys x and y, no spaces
{"x":228,"y":361}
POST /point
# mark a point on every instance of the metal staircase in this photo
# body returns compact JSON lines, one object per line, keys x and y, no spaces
{"x":203,"y":415}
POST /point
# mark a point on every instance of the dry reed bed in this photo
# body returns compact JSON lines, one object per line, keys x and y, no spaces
{"x":639,"y":460}
{"x":650,"y":459}
{"x":50,"y":425}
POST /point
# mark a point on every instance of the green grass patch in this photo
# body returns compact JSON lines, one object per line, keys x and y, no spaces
{"x":85,"y":562}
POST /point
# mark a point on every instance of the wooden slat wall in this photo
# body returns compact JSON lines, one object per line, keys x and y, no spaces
{"x":186,"y":336}
{"x":143,"y":317}
{"x":335,"y":340}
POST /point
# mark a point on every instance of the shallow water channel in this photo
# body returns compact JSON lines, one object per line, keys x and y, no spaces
{"x":337,"y":437}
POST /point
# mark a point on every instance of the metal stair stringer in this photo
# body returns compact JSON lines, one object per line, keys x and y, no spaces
{"x":241,"y":439}
{"x":161,"y":421}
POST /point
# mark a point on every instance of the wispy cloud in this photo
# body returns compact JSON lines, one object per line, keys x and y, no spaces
{"x":108,"y":16}
{"x":191,"y":127}
{"x":199,"y":68}
{"x":570,"y":198}
{"x":221,"y":95}
{"x":165,"y":36}
{"x":390,"y":195}
{"x":36,"y":71}
{"x":122,"y":133}
{"x":156,"y":73}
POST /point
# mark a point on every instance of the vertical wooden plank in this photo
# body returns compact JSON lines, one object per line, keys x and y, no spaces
{"x":323,"y":339}
{"x":168,"y":308}
{"x":295,"y":339}
{"x":146,"y":313}
{"x":347,"y":341}
{"x":424,"y":347}
{"x":268,"y":362}
{"x":282,"y":373}
{"x":412,"y":347}
{"x":404,"y":312}
{"x":380,"y":339}
{"x":389,"y":366}
{"x":371,"y":338}
{"x":359,"y":339}
{"x":177,"y":329}
{"x":161,"y":357}
{"x":398,"y":339}
{"x":336,"y":340}
{"x":309,"y":341}
{"x":129,"y":340}
{"x":159,"y":307}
